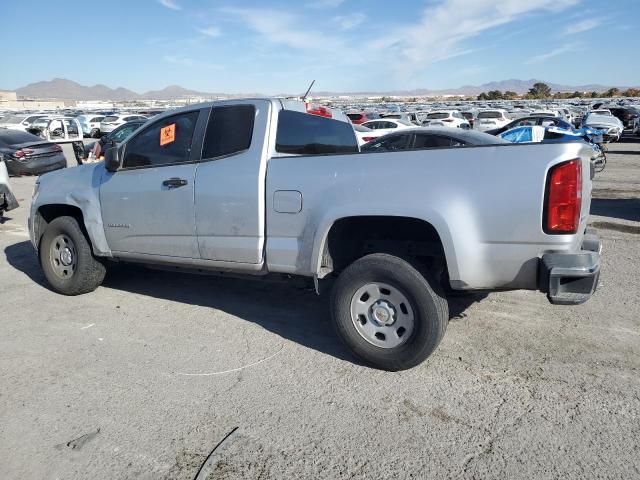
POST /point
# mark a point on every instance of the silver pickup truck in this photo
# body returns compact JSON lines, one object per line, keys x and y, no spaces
{"x":270,"y":186}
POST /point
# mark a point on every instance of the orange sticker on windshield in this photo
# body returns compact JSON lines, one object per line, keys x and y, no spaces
{"x":168,"y":134}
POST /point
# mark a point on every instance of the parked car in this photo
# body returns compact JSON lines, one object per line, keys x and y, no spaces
{"x":90,"y":125}
{"x":202,"y":188}
{"x":111,"y":122}
{"x":358,"y":118}
{"x":365,"y":134}
{"x":388,"y":125}
{"x":469,"y":116}
{"x":95,"y":151}
{"x":429,"y":137}
{"x":406,"y":116}
{"x":490,"y":119}
{"x":20,"y":122}
{"x":25,"y":153}
{"x":610,"y":126}
{"x":445,"y":118}
{"x":57,"y":129}
{"x":627,"y":115}
{"x":529,"y":121}
{"x":7,"y":198}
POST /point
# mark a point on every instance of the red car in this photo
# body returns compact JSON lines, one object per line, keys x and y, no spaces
{"x":359,"y":118}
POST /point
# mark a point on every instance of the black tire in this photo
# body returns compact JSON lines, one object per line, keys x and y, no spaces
{"x":89,"y":271}
{"x":94,"y":133}
{"x":431,"y":311}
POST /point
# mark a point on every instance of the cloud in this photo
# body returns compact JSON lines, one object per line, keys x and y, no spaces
{"x":553,"y":53}
{"x":285,"y":29}
{"x":210,"y":31}
{"x":582,"y":26}
{"x":444,"y":28}
{"x":347,"y":22}
{"x":171,"y":4}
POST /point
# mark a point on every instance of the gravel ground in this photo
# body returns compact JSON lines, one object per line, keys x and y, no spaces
{"x":145,"y":376}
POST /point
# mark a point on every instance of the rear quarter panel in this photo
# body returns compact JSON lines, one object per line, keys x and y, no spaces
{"x":486,"y":203}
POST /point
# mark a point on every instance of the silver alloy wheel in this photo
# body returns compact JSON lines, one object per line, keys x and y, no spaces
{"x":382,"y":315}
{"x":63,"y":256}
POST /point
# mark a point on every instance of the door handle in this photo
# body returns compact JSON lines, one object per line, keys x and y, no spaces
{"x":174,"y":182}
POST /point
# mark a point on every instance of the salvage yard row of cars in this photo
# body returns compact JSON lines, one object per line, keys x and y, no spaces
{"x":390,"y":247}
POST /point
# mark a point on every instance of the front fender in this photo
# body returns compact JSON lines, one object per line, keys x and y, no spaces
{"x":76,"y":187}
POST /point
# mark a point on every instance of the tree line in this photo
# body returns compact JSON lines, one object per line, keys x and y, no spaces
{"x":543,"y":91}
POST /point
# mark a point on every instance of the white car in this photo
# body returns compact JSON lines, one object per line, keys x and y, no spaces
{"x":20,"y":122}
{"x":111,"y":122}
{"x":611,"y":126}
{"x":364,"y":134}
{"x":90,"y":124}
{"x":57,"y":129}
{"x":445,"y":118}
{"x":383,"y":126}
{"x":490,"y":119}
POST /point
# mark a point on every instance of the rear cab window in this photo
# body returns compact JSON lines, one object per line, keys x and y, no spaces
{"x":304,"y":134}
{"x":229,"y":130}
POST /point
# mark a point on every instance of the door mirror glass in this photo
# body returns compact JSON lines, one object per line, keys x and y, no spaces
{"x":112,"y":159}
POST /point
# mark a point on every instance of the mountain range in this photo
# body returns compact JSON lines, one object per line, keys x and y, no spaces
{"x":60,"y":88}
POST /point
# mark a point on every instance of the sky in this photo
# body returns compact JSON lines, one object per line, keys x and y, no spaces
{"x":279,"y":46}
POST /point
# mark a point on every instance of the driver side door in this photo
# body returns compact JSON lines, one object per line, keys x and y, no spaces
{"x":148,"y":204}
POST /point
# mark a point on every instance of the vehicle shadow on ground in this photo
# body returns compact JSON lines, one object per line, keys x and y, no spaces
{"x":621,"y":208}
{"x":288,"y":308}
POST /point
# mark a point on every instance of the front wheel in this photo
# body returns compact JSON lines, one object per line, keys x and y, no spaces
{"x":67,"y":260}
{"x":387,"y":312}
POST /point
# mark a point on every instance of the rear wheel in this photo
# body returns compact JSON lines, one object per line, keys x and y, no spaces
{"x":94,"y":133}
{"x":387,"y":312}
{"x":67,"y":260}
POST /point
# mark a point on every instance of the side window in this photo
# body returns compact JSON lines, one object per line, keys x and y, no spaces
{"x":389,"y":144}
{"x":304,"y":134}
{"x":123,"y":133}
{"x":165,"y":142}
{"x":229,"y":130}
{"x":431,"y":141}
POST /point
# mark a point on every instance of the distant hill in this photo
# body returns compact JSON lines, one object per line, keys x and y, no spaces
{"x":69,"y":90}
{"x":64,"y":89}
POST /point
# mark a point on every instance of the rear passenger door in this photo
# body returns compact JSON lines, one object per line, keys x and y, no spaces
{"x":230,"y":184}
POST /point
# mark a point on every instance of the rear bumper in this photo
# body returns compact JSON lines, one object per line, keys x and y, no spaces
{"x":572,"y":278}
{"x":37,"y":166}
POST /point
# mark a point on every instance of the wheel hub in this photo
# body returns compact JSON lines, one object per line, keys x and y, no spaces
{"x":66,"y":257}
{"x":383,"y":313}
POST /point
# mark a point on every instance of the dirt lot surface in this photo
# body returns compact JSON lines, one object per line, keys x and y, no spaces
{"x":145,"y":376}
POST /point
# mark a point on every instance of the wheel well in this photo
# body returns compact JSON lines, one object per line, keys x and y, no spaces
{"x":47,"y":213}
{"x":354,"y":237}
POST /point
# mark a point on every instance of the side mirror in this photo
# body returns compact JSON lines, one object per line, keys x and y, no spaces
{"x":112,"y":159}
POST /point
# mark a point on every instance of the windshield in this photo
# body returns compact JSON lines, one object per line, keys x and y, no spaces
{"x":438,"y":115}
{"x":110,"y":118}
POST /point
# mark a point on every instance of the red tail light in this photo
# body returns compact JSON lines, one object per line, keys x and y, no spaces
{"x":563,"y":198}
{"x":18,"y":154}
{"x":368,"y":139}
{"x":320,"y":110}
